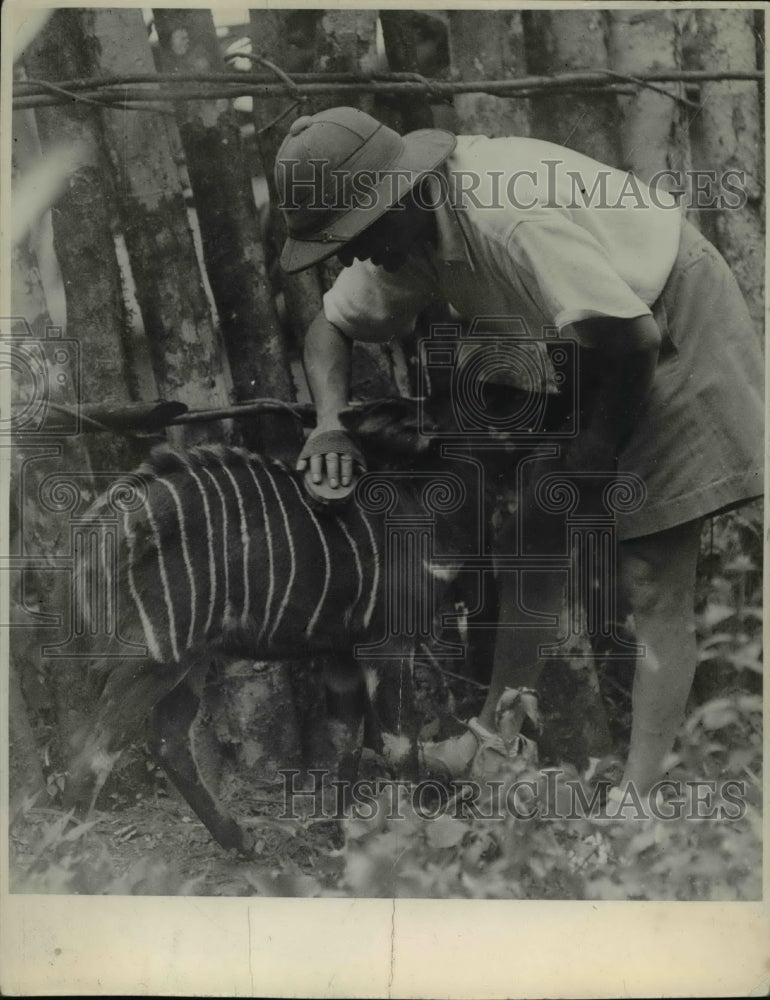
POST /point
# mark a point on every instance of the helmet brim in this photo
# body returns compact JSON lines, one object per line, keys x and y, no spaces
{"x":423,"y":151}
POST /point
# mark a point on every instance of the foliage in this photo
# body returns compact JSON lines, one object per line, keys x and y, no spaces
{"x":544,"y":858}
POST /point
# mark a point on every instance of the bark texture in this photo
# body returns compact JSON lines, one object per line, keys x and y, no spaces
{"x":561,"y":41}
{"x":488,"y":45}
{"x":727,"y":134}
{"x":83,"y":241}
{"x":231,"y":237}
{"x":40,"y":599}
{"x":187,"y":353}
{"x":272,"y":37}
{"x":653,"y":127}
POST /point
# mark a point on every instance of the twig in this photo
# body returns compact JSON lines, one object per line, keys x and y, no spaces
{"x":640,"y":82}
{"x":284,"y":77}
{"x":448,"y":673}
{"x":98,"y":102}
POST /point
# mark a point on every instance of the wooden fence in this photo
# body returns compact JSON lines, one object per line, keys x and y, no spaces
{"x":168,"y":265}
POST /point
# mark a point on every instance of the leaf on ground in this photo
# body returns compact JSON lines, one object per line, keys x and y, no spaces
{"x":446,"y":832}
{"x":715,"y":614}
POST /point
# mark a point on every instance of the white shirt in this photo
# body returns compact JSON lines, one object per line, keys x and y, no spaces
{"x":541,"y":233}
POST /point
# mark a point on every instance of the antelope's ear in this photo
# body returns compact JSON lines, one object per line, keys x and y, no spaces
{"x":394,"y":425}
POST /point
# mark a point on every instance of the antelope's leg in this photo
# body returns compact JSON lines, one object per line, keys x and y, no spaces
{"x":345,"y":707}
{"x":131,"y":690}
{"x":171,"y":745}
{"x":393,"y":723}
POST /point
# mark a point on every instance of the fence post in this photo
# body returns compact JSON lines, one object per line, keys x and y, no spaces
{"x":727,"y":136}
{"x":231,"y":237}
{"x":488,"y":45}
{"x":302,"y":292}
{"x":398,"y":33}
{"x":653,"y":127}
{"x":39,"y":600}
{"x":83,"y":241}
{"x":559,"y":41}
{"x":187,"y":354}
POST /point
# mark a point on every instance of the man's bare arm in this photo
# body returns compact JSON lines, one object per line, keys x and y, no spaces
{"x":327,"y":359}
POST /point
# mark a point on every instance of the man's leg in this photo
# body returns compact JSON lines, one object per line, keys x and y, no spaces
{"x":658,"y":573}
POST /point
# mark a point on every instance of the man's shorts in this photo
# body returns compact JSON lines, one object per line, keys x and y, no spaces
{"x":699,"y":444}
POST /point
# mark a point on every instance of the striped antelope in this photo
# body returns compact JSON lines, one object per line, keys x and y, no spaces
{"x":225,"y":553}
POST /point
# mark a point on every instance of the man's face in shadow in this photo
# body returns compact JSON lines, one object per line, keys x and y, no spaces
{"x":387,"y":241}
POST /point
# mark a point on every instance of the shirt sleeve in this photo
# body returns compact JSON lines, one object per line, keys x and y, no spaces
{"x":568,"y":273}
{"x":369,"y":303}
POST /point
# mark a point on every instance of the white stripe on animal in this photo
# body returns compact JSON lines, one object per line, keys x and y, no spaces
{"x":269,"y":540}
{"x":376,"y":576}
{"x":149,"y":632}
{"x":164,"y":581}
{"x":292,"y":556}
{"x":327,"y":562}
{"x":245,"y":542}
{"x":210,"y":539}
{"x":185,"y":555}
{"x":359,"y":568}
{"x":226,"y":610}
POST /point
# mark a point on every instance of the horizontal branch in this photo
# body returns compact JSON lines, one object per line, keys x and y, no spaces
{"x":164,"y":87}
{"x":153,"y":416}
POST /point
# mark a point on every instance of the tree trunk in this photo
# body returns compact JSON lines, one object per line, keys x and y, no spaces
{"x":727,"y":137}
{"x":302,"y":292}
{"x":559,"y":41}
{"x":231,"y":238}
{"x":187,"y":354}
{"x":653,"y":128}
{"x":398,"y":32}
{"x":41,"y":600}
{"x":25,"y":771}
{"x":488,"y":45}
{"x":83,"y":241}
{"x":346,"y":42}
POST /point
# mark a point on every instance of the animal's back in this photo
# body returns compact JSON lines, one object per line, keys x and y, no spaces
{"x":222,"y":547}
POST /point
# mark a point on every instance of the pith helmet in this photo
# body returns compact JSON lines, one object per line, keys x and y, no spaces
{"x":338,"y":171}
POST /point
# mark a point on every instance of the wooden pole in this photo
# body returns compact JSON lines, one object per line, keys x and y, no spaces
{"x":302,"y":292}
{"x":653,"y":128}
{"x":230,"y":232}
{"x":83,"y":241}
{"x":572,"y":40}
{"x":727,"y":136}
{"x":398,"y":32}
{"x":187,"y":353}
{"x":346,"y":43}
{"x":34,"y":530}
{"x":488,"y":43}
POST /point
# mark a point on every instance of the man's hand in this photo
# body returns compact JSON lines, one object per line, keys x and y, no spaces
{"x":335,"y":466}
